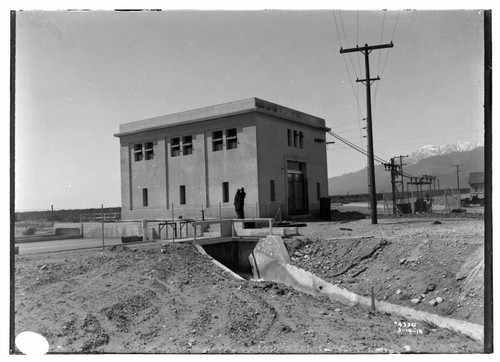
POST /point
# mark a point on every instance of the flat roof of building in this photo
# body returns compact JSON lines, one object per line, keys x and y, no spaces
{"x":220,"y":111}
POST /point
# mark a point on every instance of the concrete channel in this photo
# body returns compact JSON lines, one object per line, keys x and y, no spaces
{"x":266,"y":258}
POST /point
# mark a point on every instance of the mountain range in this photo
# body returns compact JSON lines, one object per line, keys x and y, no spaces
{"x":432,"y":160}
{"x":433,"y":150}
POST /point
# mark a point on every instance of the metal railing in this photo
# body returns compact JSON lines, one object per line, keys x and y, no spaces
{"x":220,"y":222}
{"x":106,"y":217}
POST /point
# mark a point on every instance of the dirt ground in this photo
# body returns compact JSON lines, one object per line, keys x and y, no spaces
{"x":402,"y":260}
{"x":168,"y":298}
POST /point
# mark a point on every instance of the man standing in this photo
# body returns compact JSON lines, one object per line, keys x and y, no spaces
{"x":236,"y":201}
{"x":239,"y":202}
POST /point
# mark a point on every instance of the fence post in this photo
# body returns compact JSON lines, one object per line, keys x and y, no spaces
{"x":411,"y":203}
{"x":81,"y":224}
{"x":52,"y":214}
{"x":220,"y":211}
{"x":102,"y":224}
{"x":144,"y":225}
{"x":446,"y":206}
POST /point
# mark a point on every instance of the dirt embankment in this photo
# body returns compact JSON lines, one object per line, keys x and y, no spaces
{"x":171,"y":299}
{"x":434,"y":266}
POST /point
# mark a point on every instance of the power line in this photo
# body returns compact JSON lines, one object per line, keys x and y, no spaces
{"x":357,"y":40}
{"x":356,"y":147}
{"x":350,"y":130}
{"x":395,"y":24}
{"x":347,"y":44}
{"x":336,"y":27}
{"x":380,"y":53}
{"x":355,"y":91}
{"x":347,"y":123}
{"x":345,"y":62}
{"x":389,"y":141}
{"x":385,"y":62}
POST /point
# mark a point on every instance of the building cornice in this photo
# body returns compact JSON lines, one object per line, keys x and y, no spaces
{"x":219,"y":112}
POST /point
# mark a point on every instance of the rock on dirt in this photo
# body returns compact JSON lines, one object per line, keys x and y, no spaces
{"x":417,"y":259}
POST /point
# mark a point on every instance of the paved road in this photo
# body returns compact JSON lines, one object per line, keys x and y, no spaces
{"x":40,"y":247}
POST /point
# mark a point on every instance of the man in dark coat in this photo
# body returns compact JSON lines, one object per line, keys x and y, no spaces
{"x":236,"y":200}
{"x":239,"y":202}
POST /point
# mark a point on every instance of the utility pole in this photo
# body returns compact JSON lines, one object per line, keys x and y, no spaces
{"x":458,"y":184}
{"x":366,"y":50}
{"x":401,"y":164}
{"x":393,"y":168}
{"x":102,"y":224}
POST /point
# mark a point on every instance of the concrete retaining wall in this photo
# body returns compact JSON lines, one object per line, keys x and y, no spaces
{"x":148,"y":229}
{"x":34,"y":239}
{"x":234,"y":254}
{"x":269,"y":268}
{"x":220,"y":265}
{"x":279,"y":231}
{"x":67,"y":231}
{"x":112,"y":230}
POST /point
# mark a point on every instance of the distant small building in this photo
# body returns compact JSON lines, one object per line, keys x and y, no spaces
{"x":476,"y":182}
{"x":180,"y":164}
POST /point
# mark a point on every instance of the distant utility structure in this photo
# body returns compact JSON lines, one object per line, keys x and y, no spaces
{"x":366,"y":50}
{"x":458,"y":185}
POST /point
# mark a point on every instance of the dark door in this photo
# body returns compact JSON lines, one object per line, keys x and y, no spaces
{"x":297,"y":199}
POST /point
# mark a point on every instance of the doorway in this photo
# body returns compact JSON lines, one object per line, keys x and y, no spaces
{"x":297,"y":188}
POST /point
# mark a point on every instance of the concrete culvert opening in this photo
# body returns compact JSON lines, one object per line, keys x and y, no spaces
{"x":234,"y":255}
{"x":268,"y":259}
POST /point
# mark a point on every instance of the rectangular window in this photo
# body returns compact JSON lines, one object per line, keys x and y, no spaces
{"x":301,"y":140}
{"x":273,"y":195}
{"x":138,"y":152}
{"x":225,"y":192}
{"x":295,"y":139}
{"x":290,"y":139}
{"x":182,"y":194}
{"x":144,"y":197}
{"x":318,"y":190}
{"x":187,"y":145}
{"x":175,"y":147}
{"x":148,"y":150}
{"x":231,"y":139}
{"x":217,"y":141}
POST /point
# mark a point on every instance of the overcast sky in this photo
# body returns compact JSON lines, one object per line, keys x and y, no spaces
{"x":79,"y":75}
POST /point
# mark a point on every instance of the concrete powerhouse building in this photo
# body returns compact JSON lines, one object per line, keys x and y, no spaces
{"x":182,"y":163}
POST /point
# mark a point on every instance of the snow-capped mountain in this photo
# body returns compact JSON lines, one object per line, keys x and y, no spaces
{"x":432,"y":150}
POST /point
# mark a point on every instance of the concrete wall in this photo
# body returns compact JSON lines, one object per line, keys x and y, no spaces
{"x":273,"y":154}
{"x":233,"y":254}
{"x":271,"y":268}
{"x":237,"y":166}
{"x":111,"y":230}
{"x":261,"y":155}
{"x":148,"y":174}
{"x":201,"y":173}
